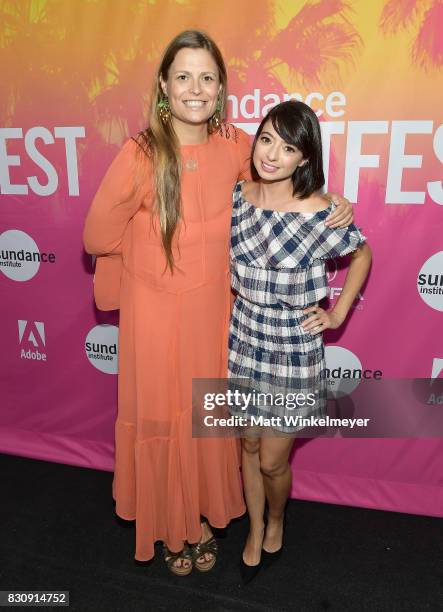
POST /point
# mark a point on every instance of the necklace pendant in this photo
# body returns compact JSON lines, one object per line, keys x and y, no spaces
{"x":191,"y":164}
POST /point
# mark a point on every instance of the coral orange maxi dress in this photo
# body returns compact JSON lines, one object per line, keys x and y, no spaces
{"x":172,"y":328}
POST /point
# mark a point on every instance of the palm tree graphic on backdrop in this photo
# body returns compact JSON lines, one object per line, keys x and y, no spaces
{"x":317,"y":41}
{"x":66,"y":60}
{"x":423,"y":16}
{"x":96,"y":66}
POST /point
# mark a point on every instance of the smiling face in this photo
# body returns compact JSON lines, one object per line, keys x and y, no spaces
{"x":192,"y":87}
{"x":274,"y":158}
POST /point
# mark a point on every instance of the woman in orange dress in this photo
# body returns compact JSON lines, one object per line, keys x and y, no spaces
{"x":160,"y":226}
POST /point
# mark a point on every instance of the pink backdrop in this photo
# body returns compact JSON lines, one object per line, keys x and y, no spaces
{"x":76,"y":89}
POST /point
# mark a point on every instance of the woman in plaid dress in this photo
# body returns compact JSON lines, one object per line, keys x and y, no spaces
{"x":279,"y":246}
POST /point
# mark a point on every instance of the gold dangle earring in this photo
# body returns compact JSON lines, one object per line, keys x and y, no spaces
{"x":164,"y":109}
{"x":216,"y":117}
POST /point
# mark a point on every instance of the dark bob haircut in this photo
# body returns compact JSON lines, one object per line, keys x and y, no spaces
{"x":298,"y":125}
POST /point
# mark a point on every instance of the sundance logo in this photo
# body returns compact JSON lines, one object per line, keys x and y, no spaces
{"x":101,"y":347}
{"x":344,"y":371}
{"x":32,"y":332}
{"x":430,"y":281}
{"x":20,"y":257}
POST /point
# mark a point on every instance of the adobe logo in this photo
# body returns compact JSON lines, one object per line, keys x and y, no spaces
{"x":437,"y":367}
{"x":32,"y":333}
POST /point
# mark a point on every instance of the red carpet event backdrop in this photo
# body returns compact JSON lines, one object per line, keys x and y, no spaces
{"x":76,"y":77}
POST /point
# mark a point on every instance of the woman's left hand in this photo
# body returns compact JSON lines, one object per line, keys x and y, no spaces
{"x":321,"y":319}
{"x":344,"y":213}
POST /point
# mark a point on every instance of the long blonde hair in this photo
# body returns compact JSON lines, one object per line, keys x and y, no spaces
{"x":159,"y":141}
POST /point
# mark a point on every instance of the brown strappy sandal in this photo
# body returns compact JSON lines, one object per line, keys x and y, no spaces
{"x":199,"y":550}
{"x":171,"y":557}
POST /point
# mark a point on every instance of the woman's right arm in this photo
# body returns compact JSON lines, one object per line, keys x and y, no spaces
{"x":115,"y":203}
{"x":357,"y":273}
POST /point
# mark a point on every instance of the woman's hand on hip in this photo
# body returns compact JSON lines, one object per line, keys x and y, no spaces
{"x":321,"y":319}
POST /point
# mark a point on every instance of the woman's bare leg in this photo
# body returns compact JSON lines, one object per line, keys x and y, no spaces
{"x":255,"y":498}
{"x":277,"y":479}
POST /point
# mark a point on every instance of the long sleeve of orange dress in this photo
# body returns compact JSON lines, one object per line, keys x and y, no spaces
{"x":117,"y":200}
{"x":115,"y":203}
{"x":173,"y":328}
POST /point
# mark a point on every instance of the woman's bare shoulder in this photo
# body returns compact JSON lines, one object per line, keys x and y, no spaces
{"x":248,"y":188}
{"x":316,"y":202}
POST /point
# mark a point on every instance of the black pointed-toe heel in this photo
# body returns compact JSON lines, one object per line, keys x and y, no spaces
{"x":269,"y":557}
{"x":249,"y":572}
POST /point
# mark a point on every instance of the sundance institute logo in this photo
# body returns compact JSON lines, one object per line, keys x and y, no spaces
{"x":344,"y":371}
{"x":430,"y":281}
{"x":20,"y":257}
{"x":32,"y":333}
{"x":101,"y":348}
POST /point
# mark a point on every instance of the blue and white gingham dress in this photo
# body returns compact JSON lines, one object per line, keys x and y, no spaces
{"x":277,"y":270}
